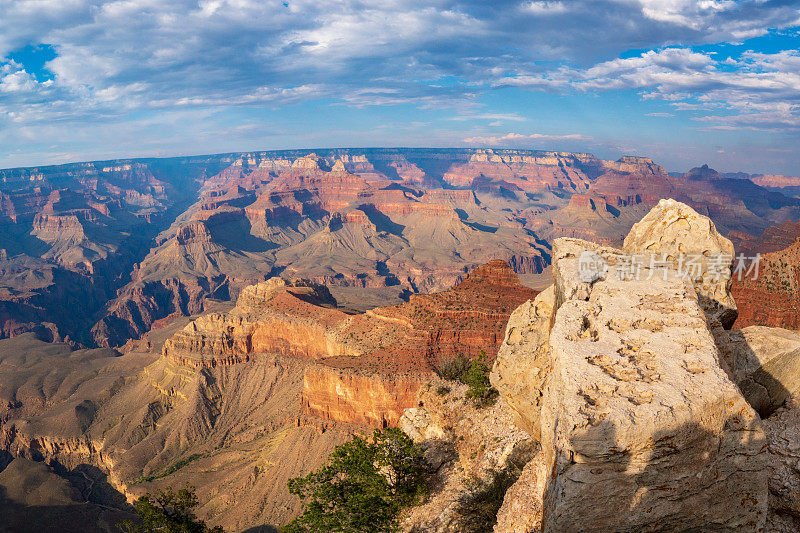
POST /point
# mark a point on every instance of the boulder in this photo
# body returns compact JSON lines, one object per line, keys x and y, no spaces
{"x":416,"y":423}
{"x":674,"y":232}
{"x":641,"y":429}
{"x":765,"y":363}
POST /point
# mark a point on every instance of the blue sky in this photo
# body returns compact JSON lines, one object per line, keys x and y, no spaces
{"x":685,"y":82}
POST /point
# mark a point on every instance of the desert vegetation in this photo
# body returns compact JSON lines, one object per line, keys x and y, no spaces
{"x":363,"y":487}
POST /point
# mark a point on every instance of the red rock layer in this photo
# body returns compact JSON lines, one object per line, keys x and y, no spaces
{"x":346,"y":396}
{"x":468,"y":319}
{"x":773,"y":299}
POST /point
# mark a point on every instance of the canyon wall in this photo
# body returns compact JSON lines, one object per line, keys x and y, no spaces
{"x":346,"y":396}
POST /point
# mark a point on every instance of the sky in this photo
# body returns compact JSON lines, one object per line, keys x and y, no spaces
{"x":684,"y":82}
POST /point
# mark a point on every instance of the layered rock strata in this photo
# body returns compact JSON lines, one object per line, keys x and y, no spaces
{"x":368,"y":366}
{"x":344,"y":395}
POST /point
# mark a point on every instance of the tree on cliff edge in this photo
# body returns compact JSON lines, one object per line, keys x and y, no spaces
{"x":168,"y":512}
{"x":363,"y":487}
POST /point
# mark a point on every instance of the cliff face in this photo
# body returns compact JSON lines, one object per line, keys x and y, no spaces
{"x":770,"y":296}
{"x":79,"y":228}
{"x":274,"y":316}
{"x":300,"y":319}
{"x":346,"y":396}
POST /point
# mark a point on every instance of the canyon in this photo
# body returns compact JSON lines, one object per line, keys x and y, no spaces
{"x":228,"y":320}
{"x":238,"y":400}
{"x":131,"y":242}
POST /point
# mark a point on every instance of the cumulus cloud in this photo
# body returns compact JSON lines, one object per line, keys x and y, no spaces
{"x":757,"y":90}
{"x":14,"y":79}
{"x":212,"y":50}
{"x":115,"y":58}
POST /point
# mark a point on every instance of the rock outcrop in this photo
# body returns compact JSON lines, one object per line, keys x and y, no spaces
{"x":676,"y":233}
{"x":641,"y":426}
{"x":523,"y":361}
{"x":765,"y":364}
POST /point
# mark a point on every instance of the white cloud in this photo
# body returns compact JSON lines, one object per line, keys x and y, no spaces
{"x":689,"y":13}
{"x":544,"y":7}
{"x":119,"y":57}
{"x":498,"y":117}
{"x":517,"y":138}
{"x":759,"y":88}
{"x":14,"y":79}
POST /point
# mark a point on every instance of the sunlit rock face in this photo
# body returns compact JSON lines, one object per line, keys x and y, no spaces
{"x":675,"y":232}
{"x":620,"y":377}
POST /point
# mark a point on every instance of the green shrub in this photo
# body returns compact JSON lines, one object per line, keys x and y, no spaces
{"x":363,"y":487}
{"x":168,"y":512}
{"x":477,"y":379}
{"x":171,"y":469}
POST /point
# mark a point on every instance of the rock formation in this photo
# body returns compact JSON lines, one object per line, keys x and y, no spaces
{"x":226,"y":400}
{"x":349,"y":396}
{"x":470,"y":451}
{"x":523,"y":362}
{"x":765,"y":364}
{"x":675,"y":232}
{"x":637,"y":401}
{"x":783,"y":436}
{"x":371,"y":364}
{"x":645,"y":406}
{"x":300,"y":319}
